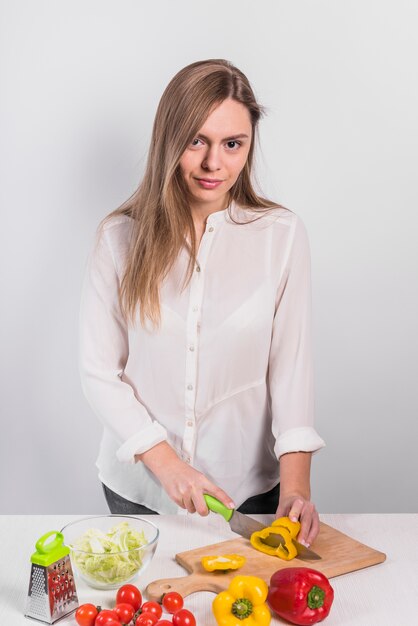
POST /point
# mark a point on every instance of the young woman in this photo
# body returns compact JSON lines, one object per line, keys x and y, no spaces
{"x":195,"y":323}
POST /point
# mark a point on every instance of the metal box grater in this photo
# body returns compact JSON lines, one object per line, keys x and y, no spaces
{"x":52,"y":592}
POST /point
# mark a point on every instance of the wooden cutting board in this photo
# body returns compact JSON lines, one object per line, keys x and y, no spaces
{"x":340,"y":554}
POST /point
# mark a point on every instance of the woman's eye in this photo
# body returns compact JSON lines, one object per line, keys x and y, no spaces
{"x":193,"y":142}
{"x":234,"y":142}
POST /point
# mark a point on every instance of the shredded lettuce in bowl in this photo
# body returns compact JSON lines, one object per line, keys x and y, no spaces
{"x":104,"y":557}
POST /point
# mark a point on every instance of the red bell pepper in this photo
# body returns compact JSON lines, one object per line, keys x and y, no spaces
{"x":300,"y":595}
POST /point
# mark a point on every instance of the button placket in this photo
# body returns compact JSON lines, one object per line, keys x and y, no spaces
{"x":192,"y":352}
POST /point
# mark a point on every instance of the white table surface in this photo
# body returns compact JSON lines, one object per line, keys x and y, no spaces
{"x":381,"y":595}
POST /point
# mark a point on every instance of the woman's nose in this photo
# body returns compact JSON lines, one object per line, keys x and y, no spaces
{"x":212,"y":159}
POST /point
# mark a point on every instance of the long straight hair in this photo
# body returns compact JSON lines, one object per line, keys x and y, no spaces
{"x":160,"y":207}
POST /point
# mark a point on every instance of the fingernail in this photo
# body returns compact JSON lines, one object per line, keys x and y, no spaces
{"x":304,"y":543}
{"x":231,"y":505}
{"x":293,"y":518}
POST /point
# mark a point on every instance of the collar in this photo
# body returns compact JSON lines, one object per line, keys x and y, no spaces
{"x":221,"y":216}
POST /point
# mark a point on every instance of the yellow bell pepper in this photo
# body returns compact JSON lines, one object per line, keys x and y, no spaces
{"x":286,"y":529}
{"x":243,"y":603}
{"x":286,"y":522}
{"x":222,"y":562}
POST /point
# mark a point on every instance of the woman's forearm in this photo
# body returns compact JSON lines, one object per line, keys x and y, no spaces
{"x":157,"y":456}
{"x":295,"y":473}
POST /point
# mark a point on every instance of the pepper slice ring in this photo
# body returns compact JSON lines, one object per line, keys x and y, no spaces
{"x":222,"y":562}
{"x":274,"y":541}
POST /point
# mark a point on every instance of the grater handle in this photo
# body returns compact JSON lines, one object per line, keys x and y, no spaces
{"x":43,"y":548}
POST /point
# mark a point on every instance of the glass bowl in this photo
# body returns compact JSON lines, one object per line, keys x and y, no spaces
{"x":95,"y":560}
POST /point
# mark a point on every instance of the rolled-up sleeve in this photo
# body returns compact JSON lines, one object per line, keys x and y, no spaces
{"x":290,"y":376}
{"x":103,"y":354}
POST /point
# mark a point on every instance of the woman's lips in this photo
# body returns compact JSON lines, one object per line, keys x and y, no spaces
{"x":209,"y":184}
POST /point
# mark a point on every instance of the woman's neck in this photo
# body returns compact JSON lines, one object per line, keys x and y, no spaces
{"x":201,"y":212}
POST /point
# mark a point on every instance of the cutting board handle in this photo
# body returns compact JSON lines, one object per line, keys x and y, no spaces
{"x":185,"y":585}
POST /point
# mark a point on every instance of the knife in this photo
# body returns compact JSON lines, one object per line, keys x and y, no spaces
{"x":245,"y":526}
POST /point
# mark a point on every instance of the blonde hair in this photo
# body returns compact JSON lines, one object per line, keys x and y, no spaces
{"x":160,"y":207}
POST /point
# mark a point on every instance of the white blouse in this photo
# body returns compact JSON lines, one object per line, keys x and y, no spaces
{"x":227,"y":379}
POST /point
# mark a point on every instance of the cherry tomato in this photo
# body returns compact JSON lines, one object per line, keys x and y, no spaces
{"x":106,"y":618}
{"x":147,"y":619}
{"x":152,"y":607}
{"x":129,"y":594}
{"x":172,"y":601}
{"x":86,"y":614}
{"x":184,"y":618}
{"x":164,"y":622}
{"x":125,"y":612}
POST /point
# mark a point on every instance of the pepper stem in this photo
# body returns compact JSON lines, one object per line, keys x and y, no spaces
{"x":316,"y":597}
{"x":242,"y":608}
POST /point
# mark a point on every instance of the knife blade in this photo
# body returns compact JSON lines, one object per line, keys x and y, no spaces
{"x":245,"y":526}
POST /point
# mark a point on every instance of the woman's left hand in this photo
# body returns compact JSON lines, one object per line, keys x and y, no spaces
{"x":298,"y":508}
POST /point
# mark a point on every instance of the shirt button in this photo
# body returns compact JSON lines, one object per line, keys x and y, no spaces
{"x":189,"y":423}
{"x":195,"y":308}
{"x":197,"y":268}
{"x":189,"y":387}
{"x":211,"y":229}
{"x":191,"y":348}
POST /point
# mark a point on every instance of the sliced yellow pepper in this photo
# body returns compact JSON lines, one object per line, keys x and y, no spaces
{"x":286,"y":529}
{"x":243,"y":603}
{"x":222,"y":562}
{"x":286,"y":522}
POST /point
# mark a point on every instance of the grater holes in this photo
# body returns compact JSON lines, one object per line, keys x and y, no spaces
{"x":46,"y":604}
{"x":38,"y":601}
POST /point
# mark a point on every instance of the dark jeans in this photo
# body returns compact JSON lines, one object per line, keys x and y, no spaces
{"x":262,"y":503}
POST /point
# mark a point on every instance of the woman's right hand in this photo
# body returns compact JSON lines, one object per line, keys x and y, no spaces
{"x":182,"y":483}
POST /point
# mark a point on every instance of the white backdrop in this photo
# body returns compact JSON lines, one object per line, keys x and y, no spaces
{"x":80,"y":83}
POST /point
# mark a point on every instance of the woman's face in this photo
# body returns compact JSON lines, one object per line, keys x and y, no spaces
{"x":217,"y":153}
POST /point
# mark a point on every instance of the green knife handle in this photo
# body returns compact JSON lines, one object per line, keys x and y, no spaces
{"x":217,"y":507}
